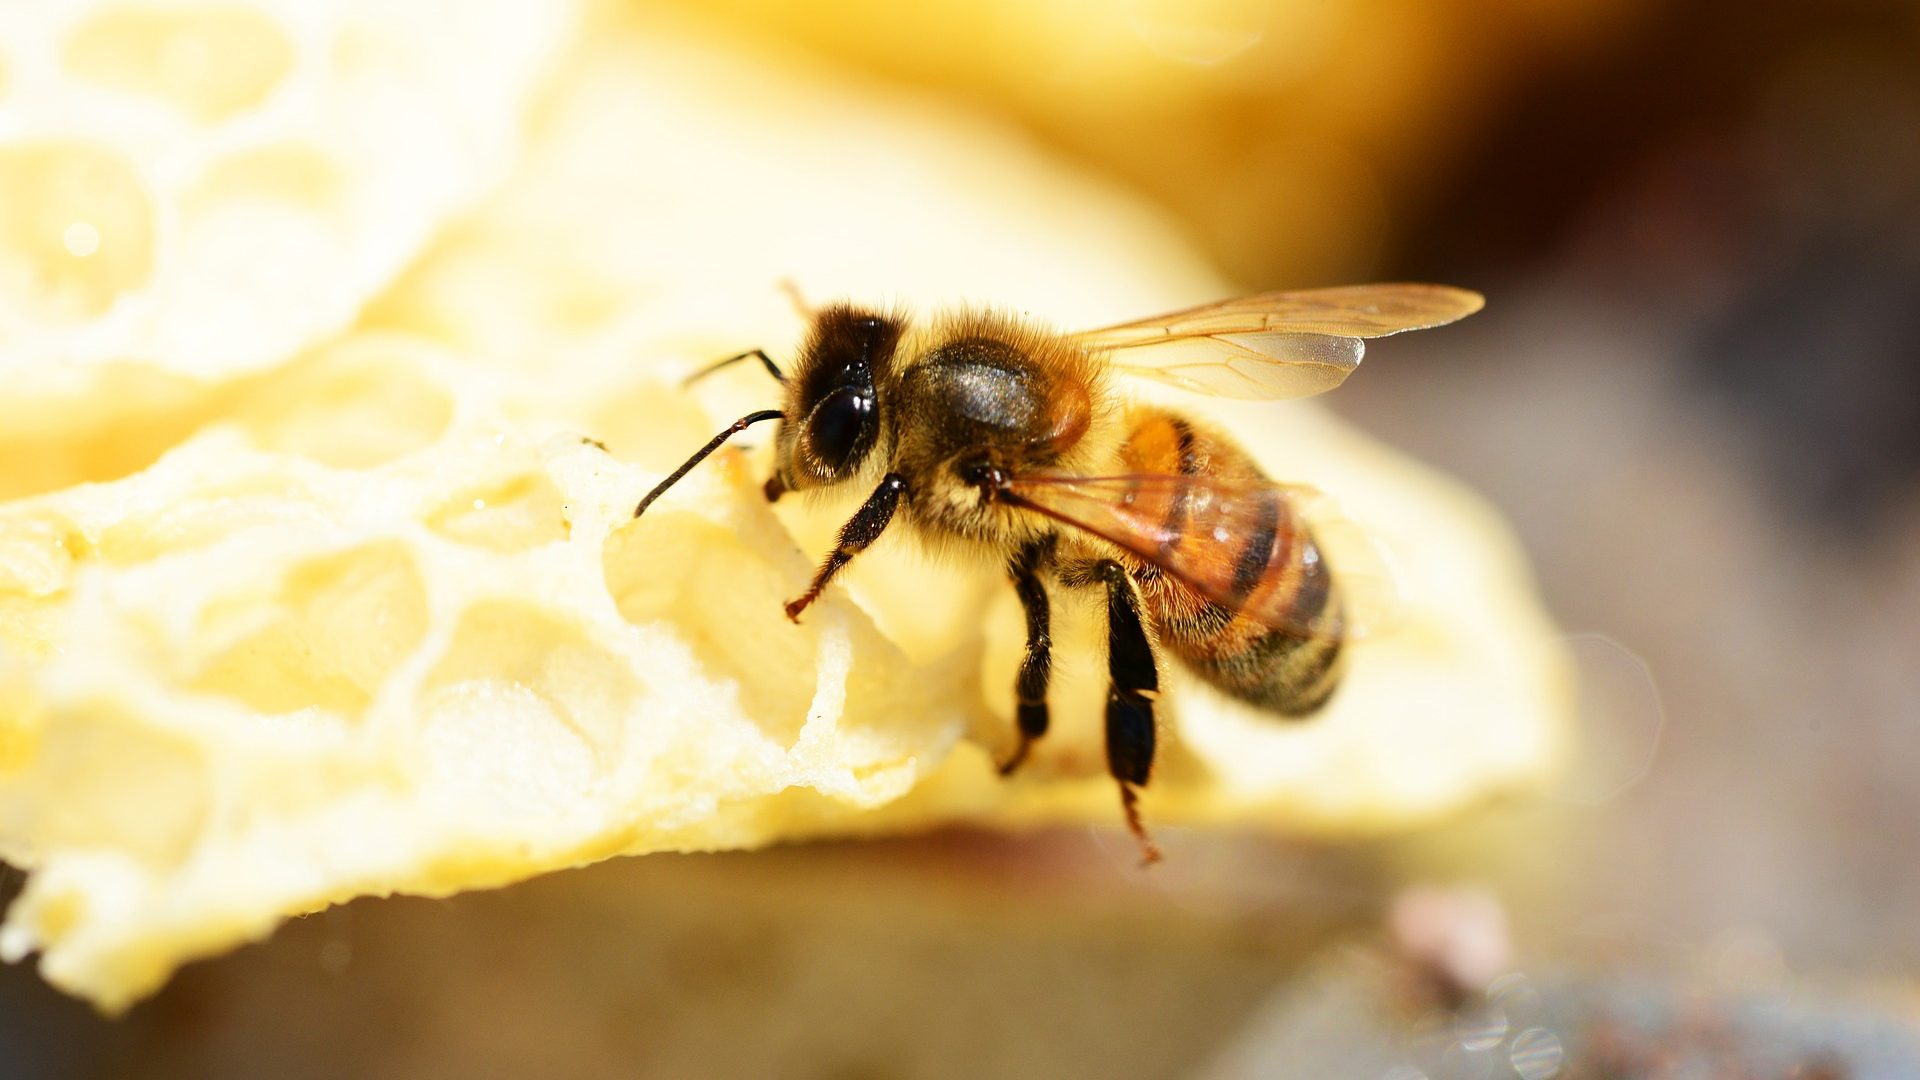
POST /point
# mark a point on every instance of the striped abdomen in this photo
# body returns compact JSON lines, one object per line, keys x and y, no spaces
{"x":1271,"y":633}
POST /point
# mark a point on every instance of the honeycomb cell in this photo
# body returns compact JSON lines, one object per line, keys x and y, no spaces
{"x":105,"y":781}
{"x":36,"y":554}
{"x":76,"y":233}
{"x":522,"y":513}
{"x":518,"y":294}
{"x":716,"y":589}
{"x":118,"y":420}
{"x":292,"y":175}
{"x":28,"y":626}
{"x":524,"y":709}
{"x":327,"y":639}
{"x":209,"y":61}
{"x":211,"y":514}
{"x":37,"y":557}
{"x":639,"y":423}
{"x":352,"y":407}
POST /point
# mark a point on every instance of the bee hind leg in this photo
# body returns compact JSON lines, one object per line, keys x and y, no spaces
{"x":1134,"y":683}
{"x":1036,"y":666}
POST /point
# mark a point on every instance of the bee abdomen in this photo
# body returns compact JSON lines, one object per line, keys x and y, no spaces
{"x":1287,"y":659}
{"x":1276,"y":668}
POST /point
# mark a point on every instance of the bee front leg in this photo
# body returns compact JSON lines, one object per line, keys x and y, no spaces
{"x":856,"y":535}
{"x":1135,"y":682}
{"x":1036,"y":667}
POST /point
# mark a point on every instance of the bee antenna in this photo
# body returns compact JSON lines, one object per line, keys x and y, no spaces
{"x":772,"y":368}
{"x":700,"y":455}
{"x":797,"y":298}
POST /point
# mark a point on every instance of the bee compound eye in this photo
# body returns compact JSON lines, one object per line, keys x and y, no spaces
{"x":835,"y":427}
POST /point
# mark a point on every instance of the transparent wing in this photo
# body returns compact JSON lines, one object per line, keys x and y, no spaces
{"x":1275,"y":345}
{"x":1258,"y":549}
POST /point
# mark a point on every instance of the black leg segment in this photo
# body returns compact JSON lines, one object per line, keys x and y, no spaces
{"x":1135,"y":682}
{"x":856,"y":535}
{"x":1036,"y":667}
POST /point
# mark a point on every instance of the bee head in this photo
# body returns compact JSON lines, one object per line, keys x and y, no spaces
{"x":833,"y":408}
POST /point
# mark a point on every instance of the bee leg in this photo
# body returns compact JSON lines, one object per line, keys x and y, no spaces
{"x":861,"y":530}
{"x":1135,"y":682}
{"x":1030,"y":688}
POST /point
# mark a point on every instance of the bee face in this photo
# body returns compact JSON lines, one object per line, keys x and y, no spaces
{"x":833,"y":404}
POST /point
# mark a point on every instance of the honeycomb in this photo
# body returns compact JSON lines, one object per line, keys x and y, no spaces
{"x":199,"y":189}
{"x":365,"y":613}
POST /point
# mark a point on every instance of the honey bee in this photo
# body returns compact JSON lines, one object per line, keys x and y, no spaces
{"x":1007,"y":441}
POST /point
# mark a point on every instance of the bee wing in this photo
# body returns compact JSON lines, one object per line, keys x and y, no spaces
{"x":1275,"y":345}
{"x":1262,"y":550}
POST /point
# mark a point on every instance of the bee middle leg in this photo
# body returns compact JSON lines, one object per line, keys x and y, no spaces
{"x":1134,"y":681}
{"x":1036,"y":667}
{"x":856,"y":536}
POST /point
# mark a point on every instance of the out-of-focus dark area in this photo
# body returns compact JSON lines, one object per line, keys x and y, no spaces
{"x":1748,"y":175}
{"x":1695,"y":392}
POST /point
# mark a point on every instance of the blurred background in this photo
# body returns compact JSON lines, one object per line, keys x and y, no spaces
{"x":1696,"y":393}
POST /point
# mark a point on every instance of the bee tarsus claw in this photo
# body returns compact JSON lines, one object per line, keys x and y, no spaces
{"x":1149,"y":851}
{"x":1018,"y":759}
